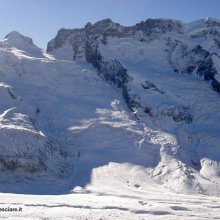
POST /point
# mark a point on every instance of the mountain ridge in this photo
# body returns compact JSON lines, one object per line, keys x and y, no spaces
{"x":148,"y":31}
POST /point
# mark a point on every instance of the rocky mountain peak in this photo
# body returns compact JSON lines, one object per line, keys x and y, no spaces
{"x":159,"y":26}
{"x":16,"y":38}
{"x":14,"y":42}
{"x":106,"y":24}
{"x":150,"y":28}
{"x":211,"y":21}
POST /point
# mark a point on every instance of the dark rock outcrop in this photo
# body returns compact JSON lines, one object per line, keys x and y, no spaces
{"x":152,"y":27}
{"x":131,"y":101}
{"x":178,"y":114}
{"x":150,"y":86}
{"x":185,"y":60}
{"x":110,"y":70}
{"x":216,"y":85}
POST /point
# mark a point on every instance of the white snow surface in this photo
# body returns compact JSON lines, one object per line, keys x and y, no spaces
{"x":79,"y":153}
{"x":112,"y":203}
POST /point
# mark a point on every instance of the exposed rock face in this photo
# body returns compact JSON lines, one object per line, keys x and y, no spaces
{"x":107,"y":28}
{"x":151,"y":86}
{"x":156,"y":27}
{"x":61,"y":38}
{"x":109,"y":70}
{"x":184,"y":60}
{"x":178,"y":113}
{"x":131,"y":101}
{"x":216,"y":85}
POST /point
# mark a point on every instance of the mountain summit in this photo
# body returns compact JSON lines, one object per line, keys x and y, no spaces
{"x":19,"y":43}
{"x":15,"y":37}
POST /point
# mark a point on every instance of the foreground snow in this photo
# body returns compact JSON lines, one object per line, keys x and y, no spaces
{"x":115,"y":191}
{"x":95,"y":204}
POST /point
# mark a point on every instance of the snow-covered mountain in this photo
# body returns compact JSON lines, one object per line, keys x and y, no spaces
{"x":113,"y":108}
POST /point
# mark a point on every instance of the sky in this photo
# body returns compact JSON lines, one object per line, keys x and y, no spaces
{"x":41,"y":19}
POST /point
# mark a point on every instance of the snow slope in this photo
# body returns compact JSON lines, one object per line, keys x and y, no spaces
{"x":112,"y":118}
{"x":56,"y":112}
{"x":133,"y":204}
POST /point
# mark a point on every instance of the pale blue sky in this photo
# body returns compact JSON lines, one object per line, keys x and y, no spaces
{"x":41,"y":19}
